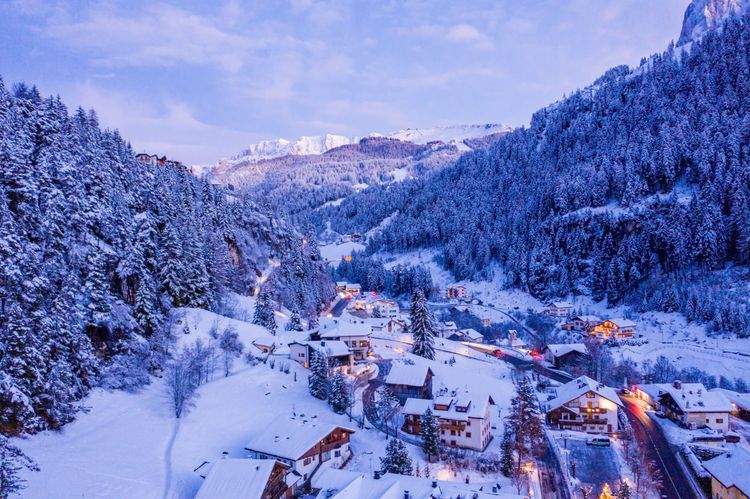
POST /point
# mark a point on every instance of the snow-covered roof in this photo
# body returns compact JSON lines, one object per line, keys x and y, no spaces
{"x":472,"y":334}
{"x":341,"y":284}
{"x":353,"y":286}
{"x":409,"y":375}
{"x":345,"y":484}
{"x":559,"y":349}
{"x":690,"y":397}
{"x":237,"y":478}
{"x":587,"y":318}
{"x":579,"y":387}
{"x":329,"y":348}
{"x":449,"y":325}
{"x":731,"y":469}
{"x":621,"y":322}
{"x":736,"y":398}
{"x":347,"y":329}
{"x":477,"y":407}
{"x":290,"y":439}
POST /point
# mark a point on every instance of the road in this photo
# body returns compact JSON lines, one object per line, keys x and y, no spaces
{"x":338,"y":307}
{"x":675,"y":484}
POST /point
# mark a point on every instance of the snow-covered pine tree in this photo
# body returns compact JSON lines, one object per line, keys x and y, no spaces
{"x":12,"y":460}
{"x":264,"y":313}
{"x":396,"y":459}
{"x":318,"y":380}
{"x":430,"y":435}
{"x":506,"y":452}
{"x":525,"y":421}
{"x":423,"y":328}
{"x":295,"y":322}
{"x":338,"y":394}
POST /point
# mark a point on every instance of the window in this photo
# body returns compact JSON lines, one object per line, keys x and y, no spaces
{"x":468,"y":434}
{"x":337,"y":453}
{"x":719,"y":420}
{"x":306,"y":461}
{"x":590,"y":395}
{"x":453,"y":433}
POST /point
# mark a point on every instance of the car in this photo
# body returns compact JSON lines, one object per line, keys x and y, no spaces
{"x":660,"y":414}
{"x":625,"y":391}
{"x":598,"y":442}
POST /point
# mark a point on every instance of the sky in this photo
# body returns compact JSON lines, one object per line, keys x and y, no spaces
{"x":199,"y":80}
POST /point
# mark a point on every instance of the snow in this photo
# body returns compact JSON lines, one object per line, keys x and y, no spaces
{"x":334,"y":253}
{"x":559,"y":349}
{"x":702,"y":16}
{"x":408,"y":375}
{"x":236,"y":478}
{"x":328,"y":348}
{"x":200,"y":322}
{"x":579,"y":387}
{"x":731,"y":469}
{"x":690,"y":397}
{"x":347,"y":329}
{"x":477,"y":407}
{"x":290,"y":438}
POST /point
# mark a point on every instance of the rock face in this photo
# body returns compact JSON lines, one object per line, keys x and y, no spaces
{"x":702,"y":16}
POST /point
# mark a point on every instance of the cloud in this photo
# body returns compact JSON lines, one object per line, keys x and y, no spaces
{"x":163,"y":127}
{"x":458,"y":33}
{"x":157,"y":35}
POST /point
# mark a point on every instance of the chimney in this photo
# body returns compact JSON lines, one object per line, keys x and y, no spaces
{"x":322,"y":343}
{"x":434,"y":484}
{"x":376,"y":475}
{"x":677,"y":384}
{"x":406,"y":494}
{"x":224,"y":454}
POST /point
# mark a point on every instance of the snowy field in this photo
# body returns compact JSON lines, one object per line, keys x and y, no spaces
{"x":335,"y":252}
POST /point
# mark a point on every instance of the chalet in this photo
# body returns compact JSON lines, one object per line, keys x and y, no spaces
{"x":304,"y":446}
{"x":584,"y":405}
{"x":471,"y":335}
{"x":559,"y":309}
{"x":614,"y":328}
{"x":248,"y":479}
{"x":688,"y":404}
{"x":397,"y":325}
{"x":340,"y":286}
{"x":564,"y":353}
{"x":353,"y":289}
{"x":336,"y":353}
{"x":387,"y":308}
{"x":356,"y":237}
{"x":582,"y":323}
{"x":346,"y":484}
{"x":410,"y":381}
{"x":740,"y":402}
{"x":265,"y":345}
{"x":455,"y":291}
{"x":356,"y":335}
{"x":729,"y":474}
{"x":446,"y":329}
{"x":464,"y":423}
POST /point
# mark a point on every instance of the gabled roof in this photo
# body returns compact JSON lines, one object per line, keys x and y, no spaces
{"x":579,"y":387}
{"x":290,"y":439}
{"x":561,"y":304}
{"x":741,"y":400}
{"x":587,"y":318}
{"x":409,"y":375}
{"x":329,"y":348}
{"x":237,"y":478}
{"x":346,"y":329}
{"x":621,"y":323}
{"x":473,"y":334}
{"x":477,"y":407}
{"x":559,"y":349}
{"x":690,"y":397}
{"x":731,"y":469}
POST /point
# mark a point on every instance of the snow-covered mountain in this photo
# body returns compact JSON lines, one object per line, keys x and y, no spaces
{"x":319,"y":144}
{"x":702,"y":16}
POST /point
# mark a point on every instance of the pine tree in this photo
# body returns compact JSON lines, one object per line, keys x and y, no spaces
{"x":430,"y":435}
{"x":295,"y":322}
{"x":422,"y":327}
{"x":525,"y":421}
{"x":506,"y":452}
{"x":318,"y":380}
{"x":397,"y":459}
{"x":623,"y":490}
{"x":338,"y":394}
{"x":264,"y":313}
{"x":12,"y":460}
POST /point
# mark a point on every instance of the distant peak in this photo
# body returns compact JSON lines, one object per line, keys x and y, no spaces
{"x":701,"y":16}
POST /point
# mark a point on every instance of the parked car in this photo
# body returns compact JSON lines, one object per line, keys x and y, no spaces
{"x":660,"y":414}
{"x":598,"y":441}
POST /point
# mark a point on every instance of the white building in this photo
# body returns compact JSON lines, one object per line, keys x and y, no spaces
{"x":356,"y":335}
{"x":471,"y":335}
{"x":336,"y":353}
{"x":446,"y":329}
{"x":302,"y":446}
{"x":689,"y":404}
{"x":464,"y":422}
{"x":559,"y":309}
{"x":729,"y":474}
{"x":455,"y":291}
{"x":558,"y":354}
{"x":584,"y":405}
{"x":345,"y":484}
{"x":248,"y":479}
{"x":388,"y":308}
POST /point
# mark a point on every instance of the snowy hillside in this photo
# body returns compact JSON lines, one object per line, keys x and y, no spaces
{"x":704,"y":15}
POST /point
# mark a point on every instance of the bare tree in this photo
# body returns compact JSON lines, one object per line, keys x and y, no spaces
{"x":180,"y":383}
{"x":646,"y":474}
{"x":230,"y":346}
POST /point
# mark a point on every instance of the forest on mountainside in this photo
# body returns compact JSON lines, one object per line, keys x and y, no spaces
{"x":634,"y":189}
{"x":97,"y":248}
